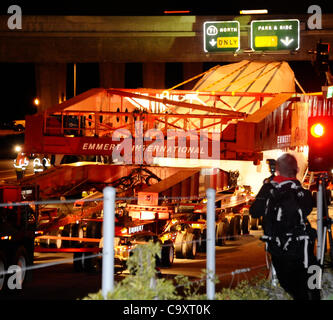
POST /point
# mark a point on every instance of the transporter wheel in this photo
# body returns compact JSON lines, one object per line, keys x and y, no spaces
{"x":3,"y":269}
{"x":245,"y":225}
{"x":234,"y":227}
{"x":94,"y":229}
{"x":66,"y":233}
{"x":81,"y":234}
{"x":202,"y":242}
{"x":179,"y":244}
{"x":189,"y":248}
{"x":221,"y":233}
{"x":58,"y":242}
{"x":52,"y":243}
{"x":21,"y":259}
{"x":238,"y":225}
{"x":75,"y":228}
{"x":254,"y":223}
{"x":167,"y":254}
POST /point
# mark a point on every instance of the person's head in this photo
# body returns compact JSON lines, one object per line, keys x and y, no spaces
{"x":286,"y":166}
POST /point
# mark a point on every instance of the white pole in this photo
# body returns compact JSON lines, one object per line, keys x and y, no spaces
{"x":109,"y":194}
{"x":319,"y":220}
{"x":210,"y":244}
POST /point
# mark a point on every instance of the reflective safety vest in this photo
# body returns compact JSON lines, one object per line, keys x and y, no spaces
{"x":21,"y":163}
{"x":38,"y":166}
{"x":46,"y":162}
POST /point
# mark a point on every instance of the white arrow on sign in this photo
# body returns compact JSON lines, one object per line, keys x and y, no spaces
{"x":212,"y":42}
{"x":286,"y":41}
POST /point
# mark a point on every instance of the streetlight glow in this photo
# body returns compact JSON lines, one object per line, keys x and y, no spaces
{"x":257,"y":11}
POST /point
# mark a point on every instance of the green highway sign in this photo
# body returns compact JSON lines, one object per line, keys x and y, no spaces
{"x":221,"y":36}
{"x":275,"y":35}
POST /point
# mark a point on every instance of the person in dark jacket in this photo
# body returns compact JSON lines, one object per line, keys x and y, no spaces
{"x":290,"y":245}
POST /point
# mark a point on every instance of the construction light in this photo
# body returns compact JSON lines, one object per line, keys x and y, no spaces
{"x":18,"y":148}
{"x":258,"y":11}
{"x":36,"y":102}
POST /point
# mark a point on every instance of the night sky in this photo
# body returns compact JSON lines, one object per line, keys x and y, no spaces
{"x":146,"y":7}
{"x":18,"y":80}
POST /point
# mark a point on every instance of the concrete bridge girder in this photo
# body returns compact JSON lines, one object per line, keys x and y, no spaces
{"x":53,"y":41}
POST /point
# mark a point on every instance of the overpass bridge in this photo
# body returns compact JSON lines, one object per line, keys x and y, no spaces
{"x":51,"y":42}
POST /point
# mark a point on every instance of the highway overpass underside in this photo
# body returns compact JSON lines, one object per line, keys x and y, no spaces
{"x":53,"y":42}
{"x":52,"y":78}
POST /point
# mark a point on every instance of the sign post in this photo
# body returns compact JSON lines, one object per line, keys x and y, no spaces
{"x":221,"y":36}
{"x":273,"y":35}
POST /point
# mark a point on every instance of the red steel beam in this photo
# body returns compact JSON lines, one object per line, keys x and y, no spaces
{"x":179,"y":103}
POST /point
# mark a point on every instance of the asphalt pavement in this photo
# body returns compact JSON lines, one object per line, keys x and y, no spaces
{"x":55,"y":279}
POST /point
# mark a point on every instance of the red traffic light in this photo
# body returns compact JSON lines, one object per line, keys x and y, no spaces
{"x":317,"y":130}
{"x":320,"y":137}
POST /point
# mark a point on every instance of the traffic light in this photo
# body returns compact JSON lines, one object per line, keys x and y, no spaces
{"x":322,"y":56}
{"x":320,"y":142}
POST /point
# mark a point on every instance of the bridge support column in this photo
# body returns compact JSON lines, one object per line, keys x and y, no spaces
{"x":50,"y":84}
{"x":112,"y":75}
{"x":191,"y":69}
{"x":154,"y":75}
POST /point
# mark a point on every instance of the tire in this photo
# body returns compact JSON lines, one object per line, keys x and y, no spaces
{"x":225,"y":229}
{"x":234,"y":228}
{"x":254,"y":223}
{"x":66,"y":232}
{"x":75,"y":228}
{"x":189,"y":247}
{"x":202,"y":241}
{"x":245,"y":225}
{"x":238,"y":225}
{"x":167,"y":254}
{"x":219,"y":234}
{"x":51,"y":243}
{"x":22,"y":260}
{"x":81,"y":234}
{"x":94,"y":230}
{"x":58,"y":242}
{"x":3,"y":269}
{"x":179,"y":245}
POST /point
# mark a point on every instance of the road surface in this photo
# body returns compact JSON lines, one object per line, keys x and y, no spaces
{"x":7,"y":170}
{"x":58,"y":281}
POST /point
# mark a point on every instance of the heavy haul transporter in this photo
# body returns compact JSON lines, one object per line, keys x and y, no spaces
{"x":167,"y":132}
{"x":179,"y":224}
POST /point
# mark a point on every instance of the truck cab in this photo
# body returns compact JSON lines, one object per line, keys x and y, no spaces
{"x":17,"y":230}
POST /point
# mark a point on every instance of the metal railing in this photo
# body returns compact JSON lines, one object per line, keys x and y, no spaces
{"x":107,"y":254}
